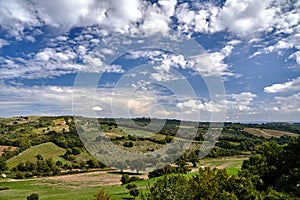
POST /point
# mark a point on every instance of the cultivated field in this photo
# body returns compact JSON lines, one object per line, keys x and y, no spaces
{"x":267,"y":133}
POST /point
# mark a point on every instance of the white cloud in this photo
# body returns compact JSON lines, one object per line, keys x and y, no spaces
{"x":30,"y":38}
{"x":243,"y":18}
{"x":289,"y":103}
{"x":3,"y":43}
{"x":235,"y":103}
{"x":241,"y":102}
{"x":246,"y":17}
{"x":293,"y":85}
{"x":57,"y":61}
{"x":212,"y":64}
{"x":192,"y":105}
{"x":97,"y":108}
{"x":296,"y":56}
{"x":113,"y":15}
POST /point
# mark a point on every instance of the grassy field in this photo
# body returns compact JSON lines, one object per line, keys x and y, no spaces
{"x":267,"y":133}
{"x":231,"y":164}
{"x":56,"y":190}
{"x":137,"y":132}
{"x":85,"y":186}
{"x":47,"y":150}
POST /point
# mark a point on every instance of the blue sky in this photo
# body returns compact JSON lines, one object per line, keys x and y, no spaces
{"x":234,"y":60}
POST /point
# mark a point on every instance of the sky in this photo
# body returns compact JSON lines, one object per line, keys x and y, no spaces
{"x":210,"y":60}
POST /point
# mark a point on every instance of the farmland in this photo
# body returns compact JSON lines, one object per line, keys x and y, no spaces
{"x":47,"y":155}
{"x":267,"y":133}
{"x":84,"y":185}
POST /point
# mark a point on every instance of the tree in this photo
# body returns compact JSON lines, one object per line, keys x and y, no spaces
{"x":102,"y":195}
{"x":169,"y":188}
{"x":125,"y":179}
{"x":92,"y":163}
{"x":133,"y":191}
{"x":3,"y":165}
{"x":277,"y":166}
{"x":33,"y":196}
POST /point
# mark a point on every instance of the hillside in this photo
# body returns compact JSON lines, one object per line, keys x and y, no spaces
{"x":46,"y":150}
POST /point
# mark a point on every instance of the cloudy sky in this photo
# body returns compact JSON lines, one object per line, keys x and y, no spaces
{"x":167,"y":58}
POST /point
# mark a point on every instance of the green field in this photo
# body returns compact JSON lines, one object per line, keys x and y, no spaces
{"x":137,"y":132}
{"x":56,"y":189}
{"x":47,"y":150}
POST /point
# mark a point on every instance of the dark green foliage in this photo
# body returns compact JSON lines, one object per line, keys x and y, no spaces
{"x":170,"y":188}
{"x":33,"y":196}
{"x":133,"y":191}
{"x":3,"y":166}
{"x":125,"y":179}
{"x":76,"y":150}
{"x":277,"y":166}
{"x":131,"y":186}
{"x":168,"y":170}
{"x":128,"y":144}
{"x":132,"y":137}
{"x":40,"y":168}
{"x":209,"y":184}
{"x":168,"y":139}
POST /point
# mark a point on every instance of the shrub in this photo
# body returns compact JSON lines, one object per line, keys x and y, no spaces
{"x":128,"y":144}
{"x":102,"y":195}
{"x":33,"y":196}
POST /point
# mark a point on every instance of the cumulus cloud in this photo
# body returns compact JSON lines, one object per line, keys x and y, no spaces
{"x":239,"y":17}
{"x":293,"y":85}
{"x":212,"y":64}
{"x":204,"y":64}
{"x":244,"y":17}
{"x":116,"y":15}
{"x":289,"y":103}
{"x":235,"y":103}
{"x":51,"y":62}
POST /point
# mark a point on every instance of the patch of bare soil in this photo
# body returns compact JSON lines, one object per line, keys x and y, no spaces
{"x":100,"y":178}
{"x":3,"y":147}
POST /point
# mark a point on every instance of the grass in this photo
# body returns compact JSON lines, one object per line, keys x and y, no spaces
{"x":137,"y":132}
{"x":47,"y":150}
{"x":19,"y":190}
{"x":59,"y":190}
{"x":231,"y":164}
